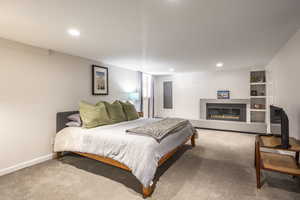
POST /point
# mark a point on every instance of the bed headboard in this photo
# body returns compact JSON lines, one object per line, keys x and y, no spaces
{"x":62,"y":119}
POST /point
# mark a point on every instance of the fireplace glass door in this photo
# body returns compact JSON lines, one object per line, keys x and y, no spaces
{"x":231,"y":112}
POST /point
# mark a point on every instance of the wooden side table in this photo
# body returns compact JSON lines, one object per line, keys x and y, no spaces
{"x":274,"y":161}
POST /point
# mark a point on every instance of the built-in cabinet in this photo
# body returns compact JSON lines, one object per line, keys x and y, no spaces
{"x":258,"y":94}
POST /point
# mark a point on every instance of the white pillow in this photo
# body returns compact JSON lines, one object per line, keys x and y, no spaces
{"x":73,"y":124}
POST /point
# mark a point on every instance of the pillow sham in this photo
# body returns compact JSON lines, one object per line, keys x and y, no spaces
{"x":93,"y":115}
{"x":75,"y":118}
{"x":115,"y":111}
{"x":130,"y":111}
{"x":73,"y":124}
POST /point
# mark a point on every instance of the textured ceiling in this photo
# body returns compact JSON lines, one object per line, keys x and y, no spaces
{"x":156,"y":35}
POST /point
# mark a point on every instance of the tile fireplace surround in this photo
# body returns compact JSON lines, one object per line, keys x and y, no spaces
{"x":228,"y":125}
{"x":203,"y":103}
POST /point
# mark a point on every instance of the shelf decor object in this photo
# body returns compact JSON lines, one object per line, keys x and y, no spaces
{"x":253,"y":93}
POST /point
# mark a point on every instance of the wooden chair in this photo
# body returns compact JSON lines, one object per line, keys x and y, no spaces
{"x":276,"y":162}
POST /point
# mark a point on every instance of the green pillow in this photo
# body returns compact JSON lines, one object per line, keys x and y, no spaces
{"x":93,"y":115}
{"x":115,"y":111}
{"x":129,"y":110}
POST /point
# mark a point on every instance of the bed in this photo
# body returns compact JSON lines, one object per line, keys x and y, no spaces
{"x":111,"y":144}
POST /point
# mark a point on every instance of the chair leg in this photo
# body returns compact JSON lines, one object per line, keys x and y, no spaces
{"x":297,"y":160}
{"x":254,"y":158}
{"x":258,"y":174}
{"x":257,"y":164}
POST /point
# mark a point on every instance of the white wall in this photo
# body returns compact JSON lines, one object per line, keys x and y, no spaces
{"x":284,"y":72}
{"x":35,"y":86}
{"x":189,"y":88}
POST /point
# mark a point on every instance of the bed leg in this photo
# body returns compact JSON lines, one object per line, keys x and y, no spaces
{"x":147,"y":191}
{"x":193,"y":142}
{"x":59,"y":155}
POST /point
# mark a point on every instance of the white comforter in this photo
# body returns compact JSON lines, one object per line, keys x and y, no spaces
{"x":139,"y":153}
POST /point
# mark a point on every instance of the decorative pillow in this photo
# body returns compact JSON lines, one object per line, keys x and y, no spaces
{"x":75,"y":118}
{"x":129,"y":110}
{"x":73,"y":124}
{"x":93,"y":115}
{"x":115,"y":111}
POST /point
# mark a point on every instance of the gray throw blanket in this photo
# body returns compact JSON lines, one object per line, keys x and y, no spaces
{"x":160,"y":129}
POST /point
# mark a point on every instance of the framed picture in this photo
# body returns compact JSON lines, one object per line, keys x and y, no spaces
{"x":99,"y":80}
{"x":223,"y":94}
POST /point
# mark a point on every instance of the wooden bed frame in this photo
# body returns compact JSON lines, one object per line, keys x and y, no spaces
{"x":146,"y":191}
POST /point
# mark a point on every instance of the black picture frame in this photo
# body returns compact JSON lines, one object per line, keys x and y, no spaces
{"x":100,"y":87}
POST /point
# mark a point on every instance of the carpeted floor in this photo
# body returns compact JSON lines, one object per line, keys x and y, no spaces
{"x":220,"y":167}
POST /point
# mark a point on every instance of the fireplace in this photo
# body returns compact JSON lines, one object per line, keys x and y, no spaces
{"x":226,"y":111}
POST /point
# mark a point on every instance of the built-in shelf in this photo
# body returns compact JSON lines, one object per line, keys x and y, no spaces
{"x":262,"y":83}
{"x":257,"y":96}
{"x":258,"y":110}
{"x":258,"y":123}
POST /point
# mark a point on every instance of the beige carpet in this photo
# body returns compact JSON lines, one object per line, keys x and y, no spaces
{"x":220,"y":167}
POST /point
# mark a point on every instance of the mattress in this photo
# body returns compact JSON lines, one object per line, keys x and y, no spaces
{"x":139,"y":153}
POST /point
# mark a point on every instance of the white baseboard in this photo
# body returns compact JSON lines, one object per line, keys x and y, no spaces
{"x":26,"y":164}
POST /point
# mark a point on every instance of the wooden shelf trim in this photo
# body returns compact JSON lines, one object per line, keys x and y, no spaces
{"x":258,"y":83}
{"x":258,"y":110}
{"x":256,"y":97}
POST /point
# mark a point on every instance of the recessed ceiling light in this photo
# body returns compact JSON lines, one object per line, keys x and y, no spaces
{"x":171,"y":69}
{"x":220,"y":64}
{"x":74,"y":32}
